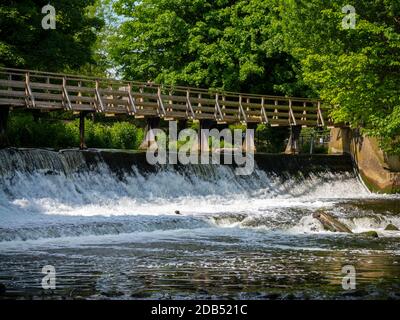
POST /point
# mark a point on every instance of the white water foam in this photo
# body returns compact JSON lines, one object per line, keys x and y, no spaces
{"x":36,"y":203}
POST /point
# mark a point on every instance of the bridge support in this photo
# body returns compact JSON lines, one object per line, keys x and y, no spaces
{"x":340,"y":139}
{"x":4,"y":112}
{"x":82,"y":144}
{"x":293,"y":143}
{"x":149,"y":141}
{"x":248,"y":144}
{"x":173,"y":136}
{"x":203,"y":136}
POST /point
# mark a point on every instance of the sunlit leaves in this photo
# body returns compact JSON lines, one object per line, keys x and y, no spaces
{"x":356,"y":71}
{"x":229,"y":44}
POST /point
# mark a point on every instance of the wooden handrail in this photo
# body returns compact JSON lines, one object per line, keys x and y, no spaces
{"x":60,"y":76}
{"x":52,"y":91}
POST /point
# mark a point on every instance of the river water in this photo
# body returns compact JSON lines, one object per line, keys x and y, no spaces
{"x":113,"y":236}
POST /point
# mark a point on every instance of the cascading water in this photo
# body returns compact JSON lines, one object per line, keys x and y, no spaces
{"x":72,"y":205}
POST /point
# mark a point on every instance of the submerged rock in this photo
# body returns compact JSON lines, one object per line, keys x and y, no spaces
{"x":391,"y":227}
{"x":330,"y":223}
{"x":371,"y":234}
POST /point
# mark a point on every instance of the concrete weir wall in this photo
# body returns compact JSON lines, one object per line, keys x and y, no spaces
{"x":379,"y":171}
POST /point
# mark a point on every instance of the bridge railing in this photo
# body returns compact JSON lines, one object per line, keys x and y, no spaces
{"x":53,"y":91}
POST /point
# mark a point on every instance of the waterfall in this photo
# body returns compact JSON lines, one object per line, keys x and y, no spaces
{"x":51,"y":194}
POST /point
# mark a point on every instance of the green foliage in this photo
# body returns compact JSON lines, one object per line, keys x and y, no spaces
{"x":317,"y":149}
{"x":194,"y":125}
{"x":221,"y":44}
{"x":313,"y":135}
{"x":123,"y":135}
{"x":356,"y":71}
{"x":272,"y":140}
{"x":237,"y":126}
{"x":24,"y":43}
{"x":24,"y":131}
{"x":214,"y":143}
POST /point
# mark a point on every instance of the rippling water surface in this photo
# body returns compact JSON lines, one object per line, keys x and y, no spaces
{"x":236,"y":237}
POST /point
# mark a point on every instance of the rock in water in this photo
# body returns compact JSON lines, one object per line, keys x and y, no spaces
{"x":371,"y":234}
{"x":391,"y":227}
{"x":330,"y":223}
{"x":177,"y":212}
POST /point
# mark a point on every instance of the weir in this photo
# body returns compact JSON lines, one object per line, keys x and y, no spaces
{"x":104,"y":178}
{"x":49,"y":162}
{"x":39,"y":184}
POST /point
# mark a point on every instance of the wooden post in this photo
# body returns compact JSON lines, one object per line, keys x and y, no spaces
{"x":189,"y":111}
{"x":312,"y":144}
{"x":4,"y":111}
{"x":293,"y":143}
{"x":292,"y":119}
{"x":241,"y":111}
{"x":149,"y":141}
{"x":248,"y":144}
{"x":82,"y":144}
{"x":202,"y":136}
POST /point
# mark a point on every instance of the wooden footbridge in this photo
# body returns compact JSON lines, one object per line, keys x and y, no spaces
{"x":52,"y":91}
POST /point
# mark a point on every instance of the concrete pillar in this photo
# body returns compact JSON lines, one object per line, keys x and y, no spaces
{"x":174,"y":131}
{"x":149,"y":141}
{"x":82,"y":144}
{"x":203,"y":137}
{"x":339,"y":141}
{"x":4,"y":112}
{"x":293,"y":143}
{"x":248,"y":144}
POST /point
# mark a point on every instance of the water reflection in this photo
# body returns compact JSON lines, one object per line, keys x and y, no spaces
{"x":273,"y":254}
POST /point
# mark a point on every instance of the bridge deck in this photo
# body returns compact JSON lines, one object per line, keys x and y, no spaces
{"x":52,"y":91}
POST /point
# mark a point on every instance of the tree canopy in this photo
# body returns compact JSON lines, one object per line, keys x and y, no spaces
{"x":228,"y":44}
{"x":24,"y":43}
{"x":356,"y":71}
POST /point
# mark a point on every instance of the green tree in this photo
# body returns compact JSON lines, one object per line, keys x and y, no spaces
{"x":228,"y":44}
{"x":24,"y":43}
{"x":356,"y":71}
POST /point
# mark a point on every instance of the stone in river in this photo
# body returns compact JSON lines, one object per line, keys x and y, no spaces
{"x":391,"y":227}
{"x":371,"y":234}
{"x":330,"y":223}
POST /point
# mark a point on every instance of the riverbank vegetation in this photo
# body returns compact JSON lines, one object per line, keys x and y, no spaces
{"x":26,"y":130}
{"x":276,"y":47}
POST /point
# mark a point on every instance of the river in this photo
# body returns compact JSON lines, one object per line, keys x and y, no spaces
{"x":115,"y":234}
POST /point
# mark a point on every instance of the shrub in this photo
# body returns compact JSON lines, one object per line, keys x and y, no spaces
{"x":123,"y":135}
{"x":24,"y":131}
